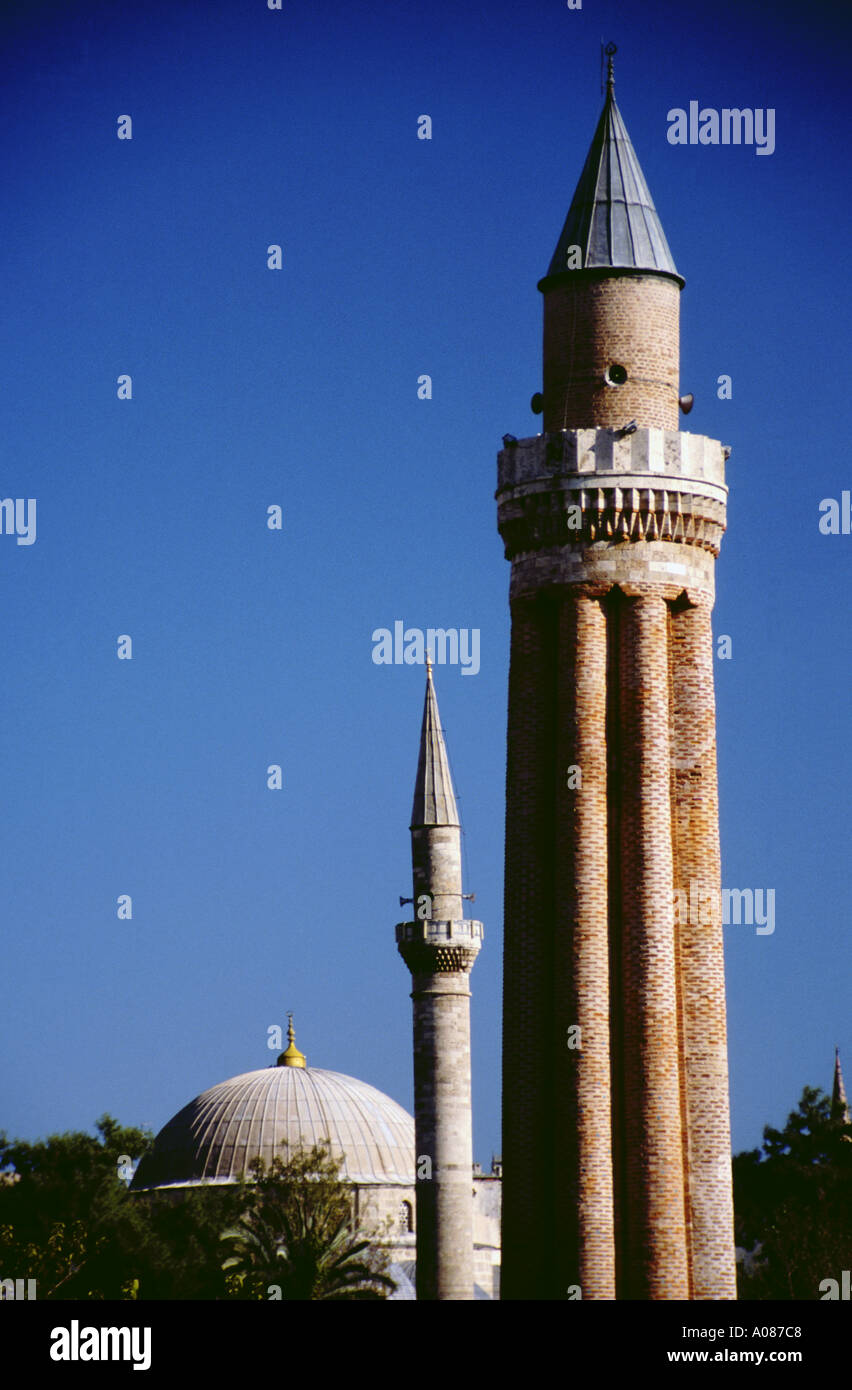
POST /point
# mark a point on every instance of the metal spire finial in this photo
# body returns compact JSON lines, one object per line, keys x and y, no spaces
{"x":292,"y":1057}
{"x":610,"y":51}
{"x":428,"y":664}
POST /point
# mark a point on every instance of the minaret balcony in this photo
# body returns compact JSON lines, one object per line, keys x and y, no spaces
{"x":580,"y":499}
{"x":438,"y":946}
{"x":671,"y":455}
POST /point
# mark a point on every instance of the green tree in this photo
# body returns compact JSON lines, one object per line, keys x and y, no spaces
{"x":296,"y":1235}
{"x":182,"y":1258}
{"x":793,"y":1203}
{"x":66,"y":1219}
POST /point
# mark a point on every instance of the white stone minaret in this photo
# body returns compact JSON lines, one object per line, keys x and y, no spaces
{"x":439,"y":947}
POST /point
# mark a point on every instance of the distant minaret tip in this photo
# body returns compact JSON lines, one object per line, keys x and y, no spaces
{"x":434,"y":798}
{"x":839,"y":1103}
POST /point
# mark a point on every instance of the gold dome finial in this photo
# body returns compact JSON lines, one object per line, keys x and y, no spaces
{"x":428,"y":664}
{"x":292,"y":1057}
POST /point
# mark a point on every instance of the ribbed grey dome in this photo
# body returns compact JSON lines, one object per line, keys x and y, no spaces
{"x":215,"y":1137}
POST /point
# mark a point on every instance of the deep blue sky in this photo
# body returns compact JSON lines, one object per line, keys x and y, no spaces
{"x":254,"y":387}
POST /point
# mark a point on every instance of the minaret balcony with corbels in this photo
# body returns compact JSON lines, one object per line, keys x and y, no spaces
{"x":428,"y":946}
{"x":571,"y":503}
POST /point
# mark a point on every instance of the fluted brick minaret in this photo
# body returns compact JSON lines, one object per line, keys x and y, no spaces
{"x":440,"y":948}
{"x":616,"y":1143}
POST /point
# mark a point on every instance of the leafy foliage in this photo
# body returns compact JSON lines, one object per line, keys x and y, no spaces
{"x":65,"y":1217}
{"x":68,"y":1221}
{"x":296,"y":1236}
{"x":793,"y":1203}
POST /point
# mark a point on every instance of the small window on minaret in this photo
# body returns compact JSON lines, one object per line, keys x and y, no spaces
{"x":615,"y":375}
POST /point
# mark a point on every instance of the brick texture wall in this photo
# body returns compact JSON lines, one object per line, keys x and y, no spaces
{"x":704,"y":1073}
{"x":616,"y":1153}
{"x":653,"y":1244}
{"x":592,"y":322}
{"x":584,"y":1220}
{"x":529,"y":1173}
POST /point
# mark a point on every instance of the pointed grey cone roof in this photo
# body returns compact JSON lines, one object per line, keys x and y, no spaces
{"x":434,"y":798}
{"x":612,"y":217}
{"x":839,"y":1103}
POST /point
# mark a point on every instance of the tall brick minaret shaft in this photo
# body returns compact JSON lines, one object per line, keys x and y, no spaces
{"x":616,"y":1144}
{"x":440,"y":948}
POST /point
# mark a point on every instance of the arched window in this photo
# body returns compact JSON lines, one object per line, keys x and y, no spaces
{"x":406,"y":1218}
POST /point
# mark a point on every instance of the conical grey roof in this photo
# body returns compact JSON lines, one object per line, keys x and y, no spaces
{"x":434,"y":798}
{"x":612,"y":217}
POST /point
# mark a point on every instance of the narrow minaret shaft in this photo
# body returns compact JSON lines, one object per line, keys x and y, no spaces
{"x":439,"y":948}
{"x":443,"y":1135}
{"x":436,"y":861}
